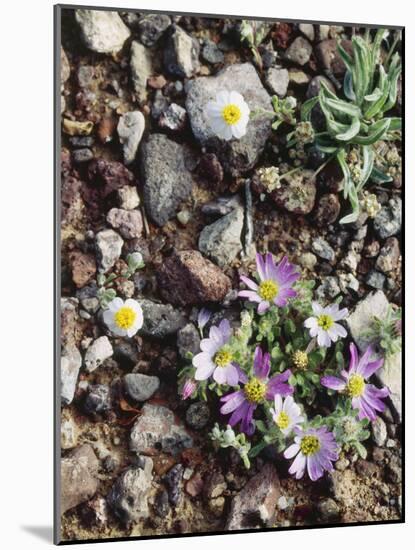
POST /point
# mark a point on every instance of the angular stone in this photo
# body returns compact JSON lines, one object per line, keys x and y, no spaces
{"x":221,"y":241}
{"x":69,"y":434}
{"x":130,"y":130}
{"x":141,"y":69}
{"x":322,"y":248}
{"x":65,"y":67}
{"x":109,"y":245}
{"x":181,"y":54}
{"x":388,"y":222}
{"x":308,"y":30}
{"x":97,"y":352}
{"x":102,"y":31}
{"x":254,"y":506}
{"x":155,"y":430}
{"x":151,"y":27}
{"x":237,"y":155}
{"x":98,"y":399}
{"x":187,"y":278}
{"x":160,"y":320}
{"x":173,"y":118}
{"x":128,"y":222}
{"x":388,"y":258}
{"x":379,"y":432}
{"x":140,"y":387}
{"x":71,"y":362}
{"x":188,"y":340}
{"x":128,"y":198}
{"x":277,"y":80}
{"x":83,"y":268}
{"x":109,"y":175}
{"x":78,"y":481}
{"x":299,"y":51}
{"x":128,"y":497}
{"x":167,"y":181}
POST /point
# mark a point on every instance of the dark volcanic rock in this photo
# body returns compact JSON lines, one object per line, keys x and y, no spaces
{"x":160,"y":320}
{"x":187,"y":278}
{"x":237,"y":155}
{"x":329,"y":57}
{"x":109,"y":175}
{"x":181,"y":54}
{"x":167,"y":181}
{"x":151,"y":27}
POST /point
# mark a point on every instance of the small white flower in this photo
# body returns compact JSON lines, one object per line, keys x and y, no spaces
{"x":124,"y":318}
{"x":324,"y":325}
{"x":229,"y":115}
{"x":286,"y":414}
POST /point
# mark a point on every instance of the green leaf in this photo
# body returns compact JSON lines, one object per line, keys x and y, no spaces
{"x":368,"y":160}
{"x":307,"y":107}
{"x":351,"y":132}
{"x":257,"y":449}
{"x":374,"y":135}
{"x":377,"y":176}
{"x":347,"y":59}
{"x":343,"y":107}
{"x":360,"y":449}
{"x":348,"y":86}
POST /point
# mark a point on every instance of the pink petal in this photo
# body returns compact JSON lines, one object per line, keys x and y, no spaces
{"x":249,"y":283}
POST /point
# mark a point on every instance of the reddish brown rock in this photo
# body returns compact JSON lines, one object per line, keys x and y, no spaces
{"x":328,"y":209}
{"x":128,"y":222}
{"x":187,"y":278}
{"x":78,"y":481}
{"x":109,"y":175}
{"x":83,"y":267}
{"x":254,"y":506}
{"x":297,"y":193}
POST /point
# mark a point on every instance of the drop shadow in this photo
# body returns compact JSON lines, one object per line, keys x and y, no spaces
{"x":42,"y":532}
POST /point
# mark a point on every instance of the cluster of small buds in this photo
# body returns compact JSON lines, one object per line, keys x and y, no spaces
{"x":394,"y":163}
{"x":353,"y":156}
{"x":297,"y":154}
{"x":350,"y":426}
{"x":300,"y":360}
{"x":356,"y":173}
{"x":270,"y":177}
{"x":370,"y":204}
{"x":304,"y":133}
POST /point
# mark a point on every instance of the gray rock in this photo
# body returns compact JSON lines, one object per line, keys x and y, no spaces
{"x":128,"y":222}
{"x":379,"y":432}
{"x":167,"y":182}
{"x":211,"y":53}
{"x":315,"y":86}
{"x":160,"y":104}
{"x":322,"y":248}
{"x":65,"y":67}
{"x":237,"y":155}
{"x":221,"y":241}
{"x":71,"y":362}
{"x":109,"y":245}
{"x":255,"y":505}
{"x":130,"y":130}
{"x":388,"y":221}
{"x":390,"y":375}
{"x":308,"y":30}
{"x":375,"y":279}
{"x":97,"y":352}
{"x":277,"y":80}
{"x":299,"y":51}
{"x":173,"y":482}
{"x":181,"y":54}
{"x":197,"y":415}
{"x":347,"y":281}
{"x":98,"y":399}
{"x":188,"y":340}
{"x":102,"y":31}
{"x":140,"y":387}
{"x":128,"y":497}
{"x":157,"y":429}
{"x":141,"y":68}
{"x":151,"y":27}
{"x":388,"y":258}
{"x":128,"y":198}
{"x":82,"y":155}
{"x":160,"y":320}
{"x":297,"y":193}
{"x":78,"y":481}
{"x":328,"y":289}
{"x":222,"y":205}
{"x":173,"y":118}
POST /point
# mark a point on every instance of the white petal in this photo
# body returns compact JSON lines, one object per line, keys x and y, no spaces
{"x":323,"y":339}
{"x":278,"y":403}
{"x":317,"y":309}
{"x":223,"y":98}
{"x":115,"y":304}
{"x":239,"y":130}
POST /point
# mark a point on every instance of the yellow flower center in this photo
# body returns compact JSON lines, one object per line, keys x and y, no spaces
{"x":268,"y":289}
{"x":355,"y":385}
{"x":283,"y":420}
{"x":300,"y":360}
{"x":325,"y":321}
{"x":125,"y":317}
{"x":231,"y":114}
{"x":255,"y":390}
{"x":309,"y":445}
{"x":222,"y":358}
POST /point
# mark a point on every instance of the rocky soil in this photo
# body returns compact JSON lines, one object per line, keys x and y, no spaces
{"x":142,"y":172}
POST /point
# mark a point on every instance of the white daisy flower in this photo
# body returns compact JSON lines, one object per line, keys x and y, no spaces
{"x":229,"y":115}
{"x":286,"y":414}
{"x":124,"y":318}
{"x":324,"y":325}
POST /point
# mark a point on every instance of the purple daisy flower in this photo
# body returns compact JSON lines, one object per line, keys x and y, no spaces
{"x":257,"y":389}
{"x":315,"y":449}
{"x":216,"y":358}
{"x":274,"y":285}
{"x":188,"y":388}
{"x":203,"y":318}
{"x":323,"y":324}
{"x":366,"y":398}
